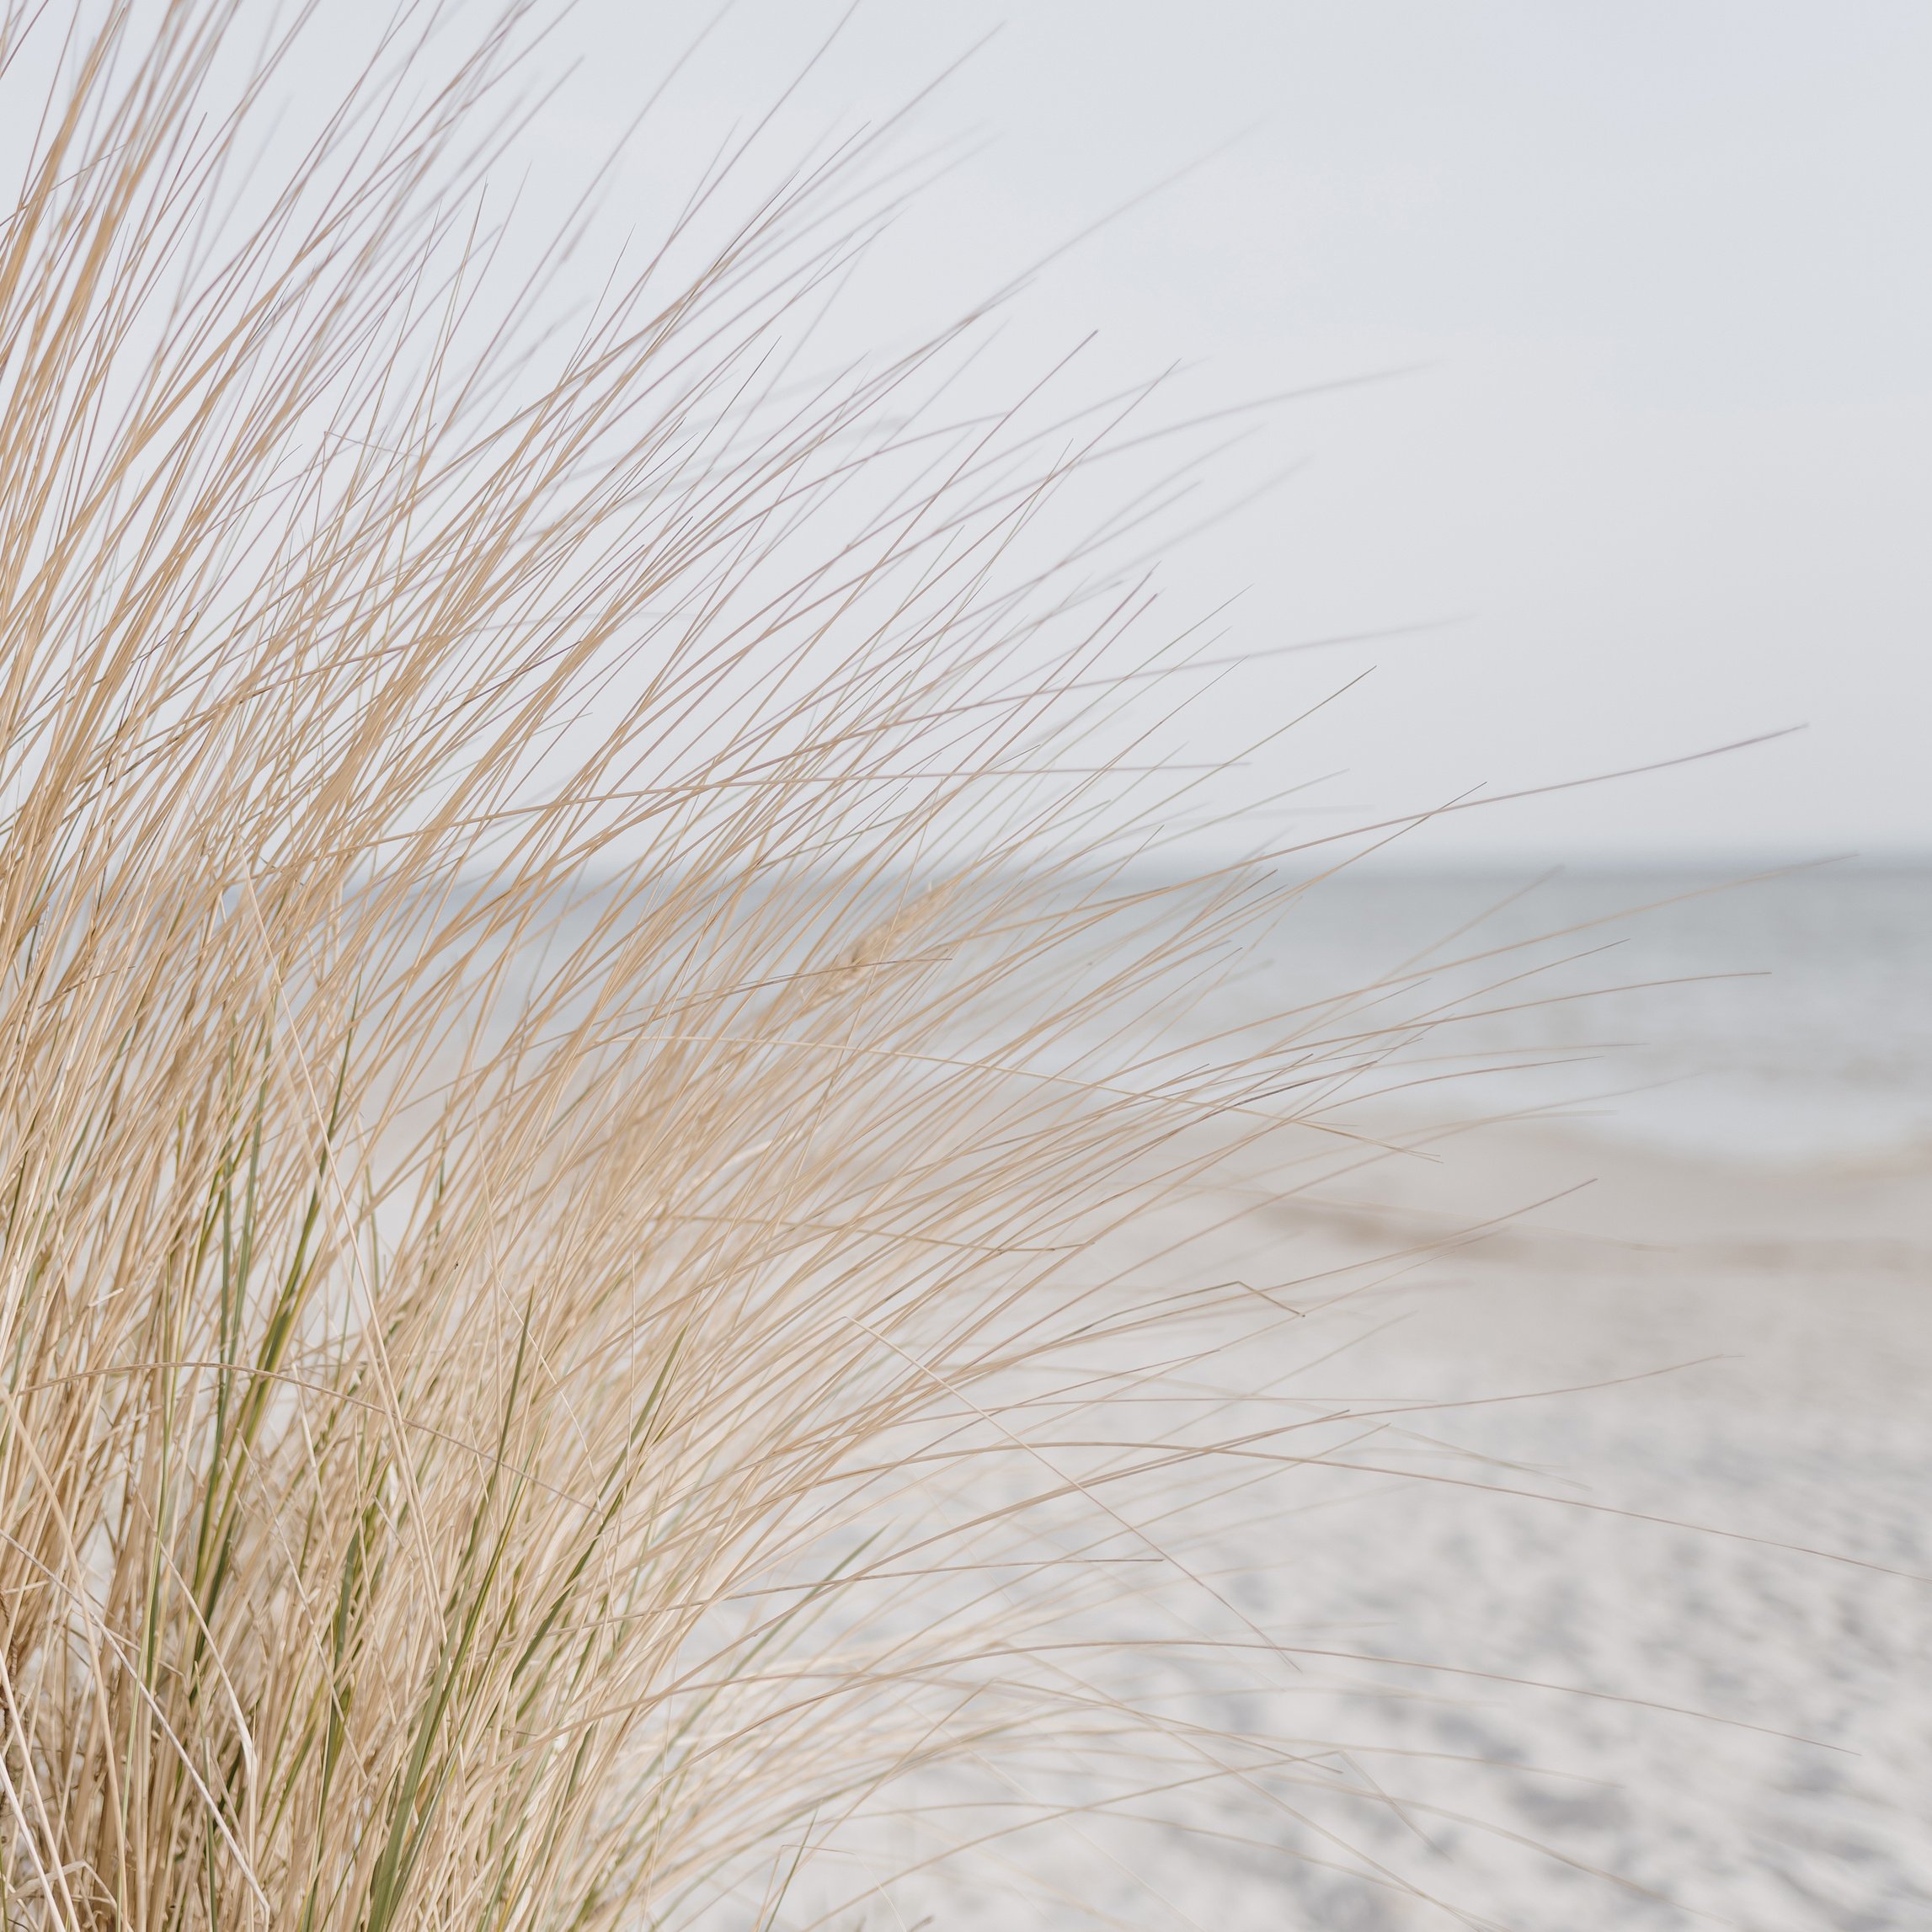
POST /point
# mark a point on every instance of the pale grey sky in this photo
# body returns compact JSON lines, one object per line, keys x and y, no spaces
{"x":1661,"y":271}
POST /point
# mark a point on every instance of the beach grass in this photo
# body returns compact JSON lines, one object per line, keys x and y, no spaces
{"x":571,"y":1025}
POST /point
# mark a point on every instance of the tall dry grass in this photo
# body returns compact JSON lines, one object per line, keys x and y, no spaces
{"x":569,"y":1054}
{"x":519,"y":1152}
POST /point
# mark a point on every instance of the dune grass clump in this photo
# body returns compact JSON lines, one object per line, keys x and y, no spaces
{"x":566,"y":1031}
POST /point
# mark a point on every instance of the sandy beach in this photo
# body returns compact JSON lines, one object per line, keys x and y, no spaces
{"x":1664,"y":1642}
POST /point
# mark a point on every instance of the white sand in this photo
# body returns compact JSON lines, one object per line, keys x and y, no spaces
{"x":1814,"y":1431}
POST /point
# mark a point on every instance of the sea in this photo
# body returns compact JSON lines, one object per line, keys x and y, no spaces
{"x":1759,"y":1016}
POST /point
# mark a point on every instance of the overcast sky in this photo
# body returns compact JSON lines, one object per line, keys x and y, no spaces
{"x":1658,"y":271}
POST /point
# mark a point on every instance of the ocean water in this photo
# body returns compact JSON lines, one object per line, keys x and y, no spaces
{"x":1771,"y":1017}
{"x":1762,"y":1018}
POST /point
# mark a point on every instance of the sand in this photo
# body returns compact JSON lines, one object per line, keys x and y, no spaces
{"x":1740,"y":1731}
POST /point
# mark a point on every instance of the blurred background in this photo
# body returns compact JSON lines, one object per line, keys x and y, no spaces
{"x":1616,"y":321}
{"x":1600,"y":333}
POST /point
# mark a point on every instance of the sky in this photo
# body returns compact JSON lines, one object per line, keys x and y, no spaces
{"x":1645,"y":287}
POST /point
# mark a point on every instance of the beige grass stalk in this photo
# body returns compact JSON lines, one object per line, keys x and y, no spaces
{"x":548,"y":1124}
